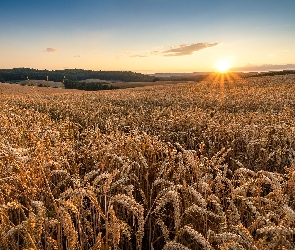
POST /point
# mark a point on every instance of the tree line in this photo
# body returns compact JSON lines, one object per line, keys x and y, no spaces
{"x":19,"y":74}
{"x":273,"y":73}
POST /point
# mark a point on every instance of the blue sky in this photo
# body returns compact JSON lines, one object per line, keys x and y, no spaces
{"x":146,"y":35}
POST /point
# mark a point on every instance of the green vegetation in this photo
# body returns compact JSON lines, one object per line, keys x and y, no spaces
{"x":88,"y":85}
{"x":274,"y":73}
{"x":16,"y":74}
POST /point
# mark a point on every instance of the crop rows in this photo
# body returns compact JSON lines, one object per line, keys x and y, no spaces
{"x":205,"y":165}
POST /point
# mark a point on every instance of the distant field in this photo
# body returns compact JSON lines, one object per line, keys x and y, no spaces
{"x":208,"y":165}
{"x":43,"y":83}
{"x":17,"y":89}
{"x":144,"y":84}
{"x":119,"y":84}
{"x":124,"y":85}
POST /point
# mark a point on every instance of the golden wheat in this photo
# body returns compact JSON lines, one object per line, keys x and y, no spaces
{"x":190,"y":166}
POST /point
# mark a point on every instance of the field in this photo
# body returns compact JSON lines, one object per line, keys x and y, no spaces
{"x":206,"y":165}
{"x":42,"y":83}
{"x":118,"y":84}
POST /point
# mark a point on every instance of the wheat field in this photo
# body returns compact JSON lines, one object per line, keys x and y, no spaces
{"x":207,"y":165}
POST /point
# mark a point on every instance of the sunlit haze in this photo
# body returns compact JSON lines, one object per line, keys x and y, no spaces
{"x":148,"y":36}
{"x":223,"y":66}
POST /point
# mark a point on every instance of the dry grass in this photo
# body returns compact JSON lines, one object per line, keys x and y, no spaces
{"x":190,"y":166}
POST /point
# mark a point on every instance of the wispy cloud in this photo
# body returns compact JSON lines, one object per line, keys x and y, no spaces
{"x":77,"y":56}
{"x":138,"y":54}
{"x":50,"y":50}
{"x":187,"y":49}
{"x":179,"y":50}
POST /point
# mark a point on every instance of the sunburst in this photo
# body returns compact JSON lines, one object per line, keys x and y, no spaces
{"x":223,"y":66}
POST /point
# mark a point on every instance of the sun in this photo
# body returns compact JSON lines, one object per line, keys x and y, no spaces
{"x":223,"y":66}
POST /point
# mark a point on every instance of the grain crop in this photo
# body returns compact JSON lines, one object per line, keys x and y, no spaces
{"x":207,"y":165}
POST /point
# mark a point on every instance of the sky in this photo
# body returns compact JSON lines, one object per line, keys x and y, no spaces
{"x":147,"y":36}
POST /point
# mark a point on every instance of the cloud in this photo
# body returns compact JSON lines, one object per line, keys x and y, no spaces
{"x":187,"y":49}
{"x":179,"y":50}
{"x":264,"y":67}
{"x":77,"y":56}
{"x":51,"y":50}
{"x":138,"y":54}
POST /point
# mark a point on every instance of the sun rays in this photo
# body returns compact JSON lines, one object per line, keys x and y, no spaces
{"x":223,"y":80}
{"x":223,"y":66}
